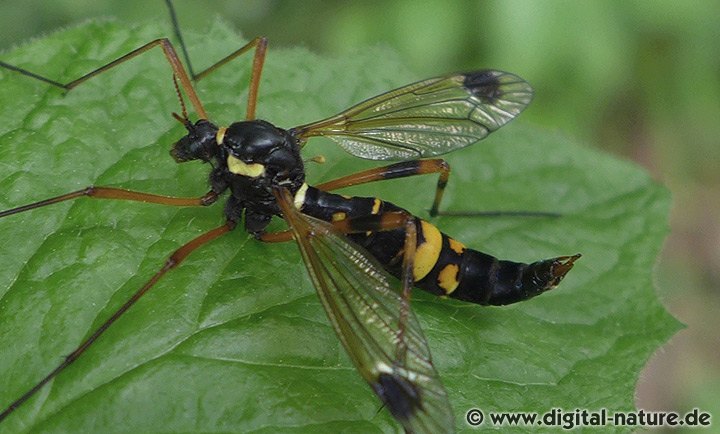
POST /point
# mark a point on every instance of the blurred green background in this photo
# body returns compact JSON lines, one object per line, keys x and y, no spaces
{"x":639,"y":79}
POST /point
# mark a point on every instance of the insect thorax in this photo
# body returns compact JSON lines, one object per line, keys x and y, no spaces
{"x":255,"y":157}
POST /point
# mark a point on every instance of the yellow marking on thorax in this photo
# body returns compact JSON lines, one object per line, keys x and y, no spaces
{"x":376,"y":206}
{"x":448,"y":278}
{"x":239,"y":167}
{"x":456,"y":246}
{"x":339,"y":216}
{"x":299,"y":199}
{"x":427,"y":253}
{"x":220,"y":136}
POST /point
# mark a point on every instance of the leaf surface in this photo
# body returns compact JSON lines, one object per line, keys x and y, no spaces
{"x":235,"y":340}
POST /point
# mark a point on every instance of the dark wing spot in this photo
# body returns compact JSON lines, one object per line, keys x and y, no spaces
{"x":401,"y":396}
{"x":484,"y":85}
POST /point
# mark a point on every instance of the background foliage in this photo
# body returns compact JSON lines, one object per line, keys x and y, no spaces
{"x":640,"y":79}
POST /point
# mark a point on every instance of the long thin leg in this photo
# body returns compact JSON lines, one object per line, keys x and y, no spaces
{"x":259,"y":44}
{"x":173,"y":261}
{"x":178,"y":35}
{"x":31,"y":74}
{"x":407,"y":281}
{"x":276,"y":237}
{"x":394,"y":171}
{"x":118,"y":194}
{"x":170,"y":55}
{"x":423,"y":167}
{"x":375,"y":222}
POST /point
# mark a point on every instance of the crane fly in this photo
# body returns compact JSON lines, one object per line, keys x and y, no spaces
{"x":363,"y":255}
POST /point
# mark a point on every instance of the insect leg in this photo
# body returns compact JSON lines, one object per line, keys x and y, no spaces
{"x":423,"y":167}
{"x":118,"y":194}
{"x":173,"y":261}
{"x":259,"y":44}
{"x":276,"y":237}
{"x":383,"y":222}
{"x":393,"y":171}
{"x":398,"y":170}
{"x":168,"y":51}
{"x":407,"y":280}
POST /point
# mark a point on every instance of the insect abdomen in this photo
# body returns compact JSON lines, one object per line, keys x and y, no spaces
{"x":442,"y":265}
{"x":476,"y":277}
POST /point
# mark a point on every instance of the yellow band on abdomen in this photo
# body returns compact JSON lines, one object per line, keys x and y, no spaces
{"x":427,"y":253}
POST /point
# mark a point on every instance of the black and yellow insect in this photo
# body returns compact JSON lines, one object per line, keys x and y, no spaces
{"x":349,"y":244}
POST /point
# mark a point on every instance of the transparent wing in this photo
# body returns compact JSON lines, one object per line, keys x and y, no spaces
{"x":426,"y":118}
{"x":363,"y":306}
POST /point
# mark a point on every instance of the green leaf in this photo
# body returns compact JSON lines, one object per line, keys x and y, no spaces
{"x":235,"y":340}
